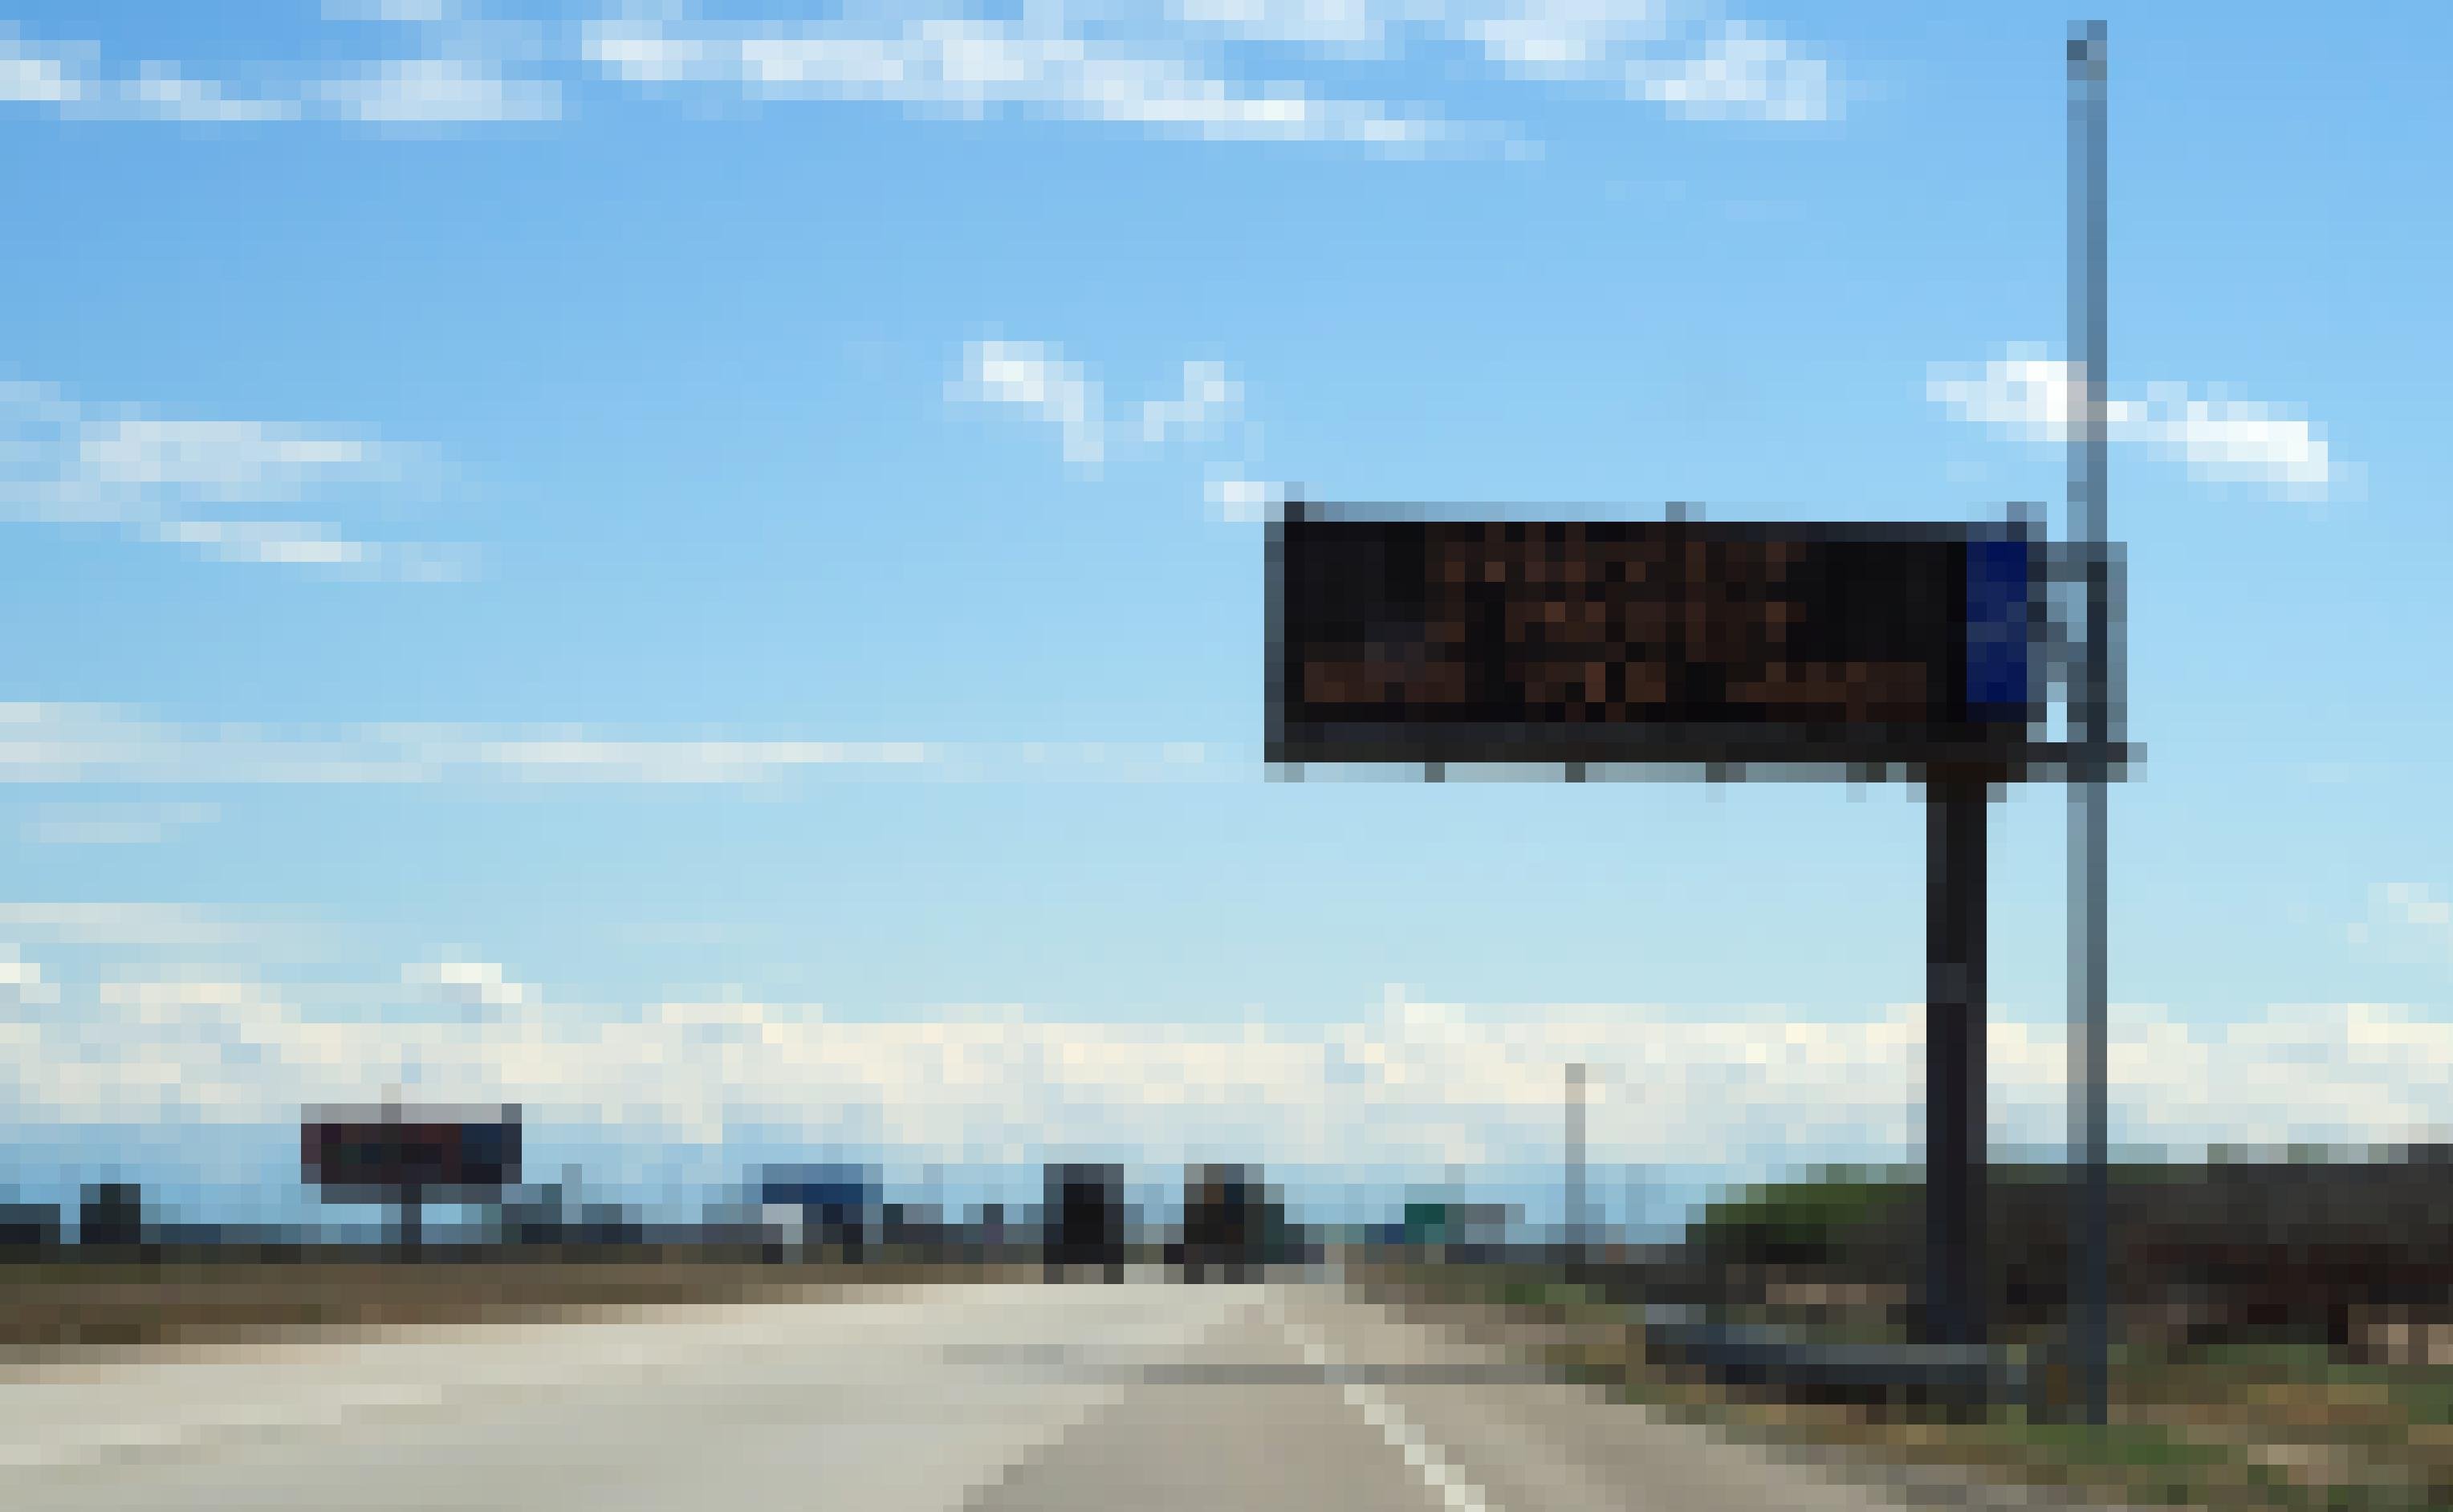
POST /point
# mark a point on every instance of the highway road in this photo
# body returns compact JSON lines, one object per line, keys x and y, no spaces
{"x":996,"y":1398}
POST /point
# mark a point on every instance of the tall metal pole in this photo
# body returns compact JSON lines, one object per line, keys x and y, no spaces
{"x":2091,"y":727}
{"x":1575,"y":1168}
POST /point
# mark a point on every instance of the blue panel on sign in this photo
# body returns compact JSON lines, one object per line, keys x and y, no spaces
{"x":2000,"y":631}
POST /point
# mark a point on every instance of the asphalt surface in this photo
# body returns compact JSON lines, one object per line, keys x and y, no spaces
{"x":1000,"y":1399}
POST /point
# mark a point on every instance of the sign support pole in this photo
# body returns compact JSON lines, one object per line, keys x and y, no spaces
{"x":1577,"y":1241}
{"x":2091,"y":728}
{"x":1955,"y":1062}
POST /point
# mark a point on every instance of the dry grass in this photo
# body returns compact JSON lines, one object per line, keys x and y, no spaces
{"x":81,"y":1308}
{"x":2279,"y":1429}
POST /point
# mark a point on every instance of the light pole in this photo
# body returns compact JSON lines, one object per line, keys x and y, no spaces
{"x":2093,"y":725}
{"x":1575,"y":1171}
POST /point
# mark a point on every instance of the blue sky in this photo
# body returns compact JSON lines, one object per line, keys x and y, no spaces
{"x":524,"y":519}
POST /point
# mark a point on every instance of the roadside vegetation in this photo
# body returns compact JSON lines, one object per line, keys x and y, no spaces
{"x":2288,"y":1331}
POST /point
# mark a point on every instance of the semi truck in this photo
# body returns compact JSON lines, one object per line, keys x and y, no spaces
{"x":1227,"y":1223}
{"x":1083,"y":1220}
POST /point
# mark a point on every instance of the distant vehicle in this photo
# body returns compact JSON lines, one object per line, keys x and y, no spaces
{"x":112,"y":1216}
{"x":1082,"y":1222}
{"x":1227,"y":1224}
{"x":27,"y":1228}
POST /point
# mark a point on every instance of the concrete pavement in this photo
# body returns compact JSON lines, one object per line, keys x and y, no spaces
{"x":1002,"y":1399}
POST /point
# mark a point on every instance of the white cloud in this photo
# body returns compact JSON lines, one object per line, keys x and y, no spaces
{"x":1739,"y":72}
{"x":21,"y":982}
{"x":160,"y":479}
{"x":61,"y":744}
{"x":1239,"y":500}
{"x":1692,"y":64}
{"x":398,"y":12}
{"x":138,"y":925}
{"x":1036,"y":378}
{"x":1565,"y":39}
{"x":970,"y":67}
{"x":1681,"y":56}
{"x":275,"y":541}
{"x":578,"y":757}
{"x":438,"y":90}
{"x":477,"y":984}
{"x":1159,"y":68}
{"x":1406,"y":1087}
{"x":463,"y":85}
{"x":65,"y":78}
{"x":1361,"y":24}
{"x":161,"y":91}
{"x":2224,"y":441}
{"x":122,"y":460}
{"x":130,"y":824}
{"x":1211,"y":396}
{"x":36,"y":75}
{"x":2221,"y":441}
{"x":2022,"y":393}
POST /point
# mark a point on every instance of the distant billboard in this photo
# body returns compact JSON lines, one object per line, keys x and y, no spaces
{"x":850,"y":1188}
{"x":382,"y":1155}
{"x":837,"y":1202}
{"x":1436,"y":641}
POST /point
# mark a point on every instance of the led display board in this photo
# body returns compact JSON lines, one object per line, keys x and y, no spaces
{"x":1434,"y":641}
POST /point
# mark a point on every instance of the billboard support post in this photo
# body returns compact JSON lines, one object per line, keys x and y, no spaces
{"x":1955,"y":1061}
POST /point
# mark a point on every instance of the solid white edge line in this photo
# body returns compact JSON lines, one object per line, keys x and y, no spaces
{"x":1457,"y":1492}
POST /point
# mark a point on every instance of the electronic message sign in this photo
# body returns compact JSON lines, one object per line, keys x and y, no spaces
{"x":1434,"y":641}
{"x":390,"y":1155}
